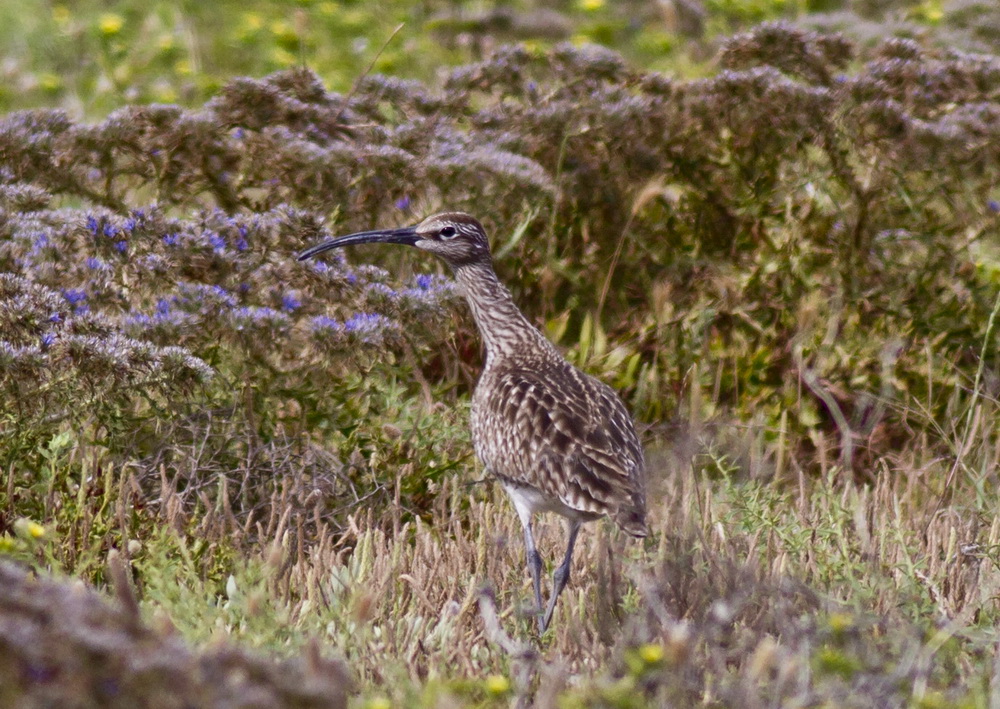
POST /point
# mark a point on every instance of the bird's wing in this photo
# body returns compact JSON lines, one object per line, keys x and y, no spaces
{"x":564,"y":433}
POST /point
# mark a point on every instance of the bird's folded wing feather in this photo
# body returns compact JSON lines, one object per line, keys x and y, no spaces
{"x":564,"y":433}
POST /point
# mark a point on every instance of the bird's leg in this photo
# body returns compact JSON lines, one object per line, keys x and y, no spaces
{"x":534,"y":565}
{"x":561,"y":575}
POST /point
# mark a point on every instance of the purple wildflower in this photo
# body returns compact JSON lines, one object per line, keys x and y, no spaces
{"x":360,"y":322}
{"x":139,"y":320}
{"x":47,"y":339}
{"x":203,"y":298}
{"x":430,"y":290}
{"x":250,"y":317}
{"x":217,"y":242}
{"x":121,"y":246}
{"x":92,"y":225}
{"x":110,"y":230}
{"x":994,"y":206}
{"x":290,"y":303}
{"x":403,"y":203}
{"x":74,"y":295}
{"x":323,"y":324}
{"x":94,"y":263}
{"x":171,"y":239}
{"x":369,"y":327}
{"x":381,"y":292}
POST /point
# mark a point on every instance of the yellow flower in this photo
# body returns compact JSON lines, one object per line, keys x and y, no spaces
{"x":164,"y":94}
{"x":283,"y":30}
{"x":354,"y":19}
{"x":930,"y":11}
{"x":651,"y":653}
{"x":590,"y":5}
{"x":379,"y":703}
{"x":183,"y":67}
{"x":839,"y":622}
{"x":534,"y":47}
{"x":497,"y":684}
{"x":60,"y":13}
{"x":29,"y":529}
{"x":253,"y":21}
{"x":933,"y":700}
{"x":282,"y":57}
{"x":111,"y":24}
{"x":50,"y":82}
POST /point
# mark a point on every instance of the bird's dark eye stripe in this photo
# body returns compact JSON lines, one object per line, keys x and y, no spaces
{"x":447,"y":232}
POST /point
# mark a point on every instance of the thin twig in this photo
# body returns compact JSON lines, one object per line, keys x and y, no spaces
{"x":614,"y":264}
{"x":523,"y":656}
{"x":366,"y":72}
{"x":846,"y":435}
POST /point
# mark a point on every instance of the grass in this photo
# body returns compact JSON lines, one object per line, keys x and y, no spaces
{"x":749,"y":589}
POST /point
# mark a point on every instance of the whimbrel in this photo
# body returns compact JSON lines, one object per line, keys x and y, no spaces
{"x":558,"y":440}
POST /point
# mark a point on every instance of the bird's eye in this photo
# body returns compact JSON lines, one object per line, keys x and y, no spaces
{"x":448,"y":232}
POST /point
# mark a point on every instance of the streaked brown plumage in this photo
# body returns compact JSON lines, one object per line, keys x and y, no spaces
{"x":557,"y":439}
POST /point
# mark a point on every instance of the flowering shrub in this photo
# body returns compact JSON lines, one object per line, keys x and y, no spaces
{"x":801,"y":189}
{"x":102,"y":312}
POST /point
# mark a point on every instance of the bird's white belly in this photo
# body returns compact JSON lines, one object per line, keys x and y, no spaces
{"x":527,"y":501}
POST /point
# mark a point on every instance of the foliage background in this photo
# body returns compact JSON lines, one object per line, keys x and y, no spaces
{"x":779,"y":242}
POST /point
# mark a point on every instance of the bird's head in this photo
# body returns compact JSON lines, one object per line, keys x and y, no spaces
{"x":455,"y":237}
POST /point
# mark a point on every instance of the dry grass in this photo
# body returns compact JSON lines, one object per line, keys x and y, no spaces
{"x":753,"y":590}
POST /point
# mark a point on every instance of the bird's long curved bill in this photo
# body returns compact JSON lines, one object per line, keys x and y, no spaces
{"x":404,"y":235}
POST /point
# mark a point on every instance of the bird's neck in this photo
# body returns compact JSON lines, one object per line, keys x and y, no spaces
{"x":502,"y":325}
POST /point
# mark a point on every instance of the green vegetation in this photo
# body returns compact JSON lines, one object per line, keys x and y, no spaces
{"x":780,"y":242}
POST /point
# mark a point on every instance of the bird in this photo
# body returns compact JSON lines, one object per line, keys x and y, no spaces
{"x":557,"y":439}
